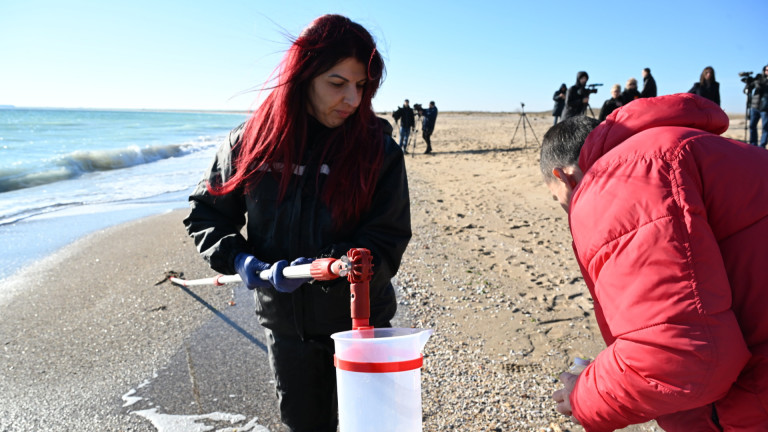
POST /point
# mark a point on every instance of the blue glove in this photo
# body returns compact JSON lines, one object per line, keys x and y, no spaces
{"x":249,"y":267}
{"x":283,"y":284}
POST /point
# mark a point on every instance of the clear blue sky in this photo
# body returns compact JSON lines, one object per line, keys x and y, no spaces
{"x":464,"y":55}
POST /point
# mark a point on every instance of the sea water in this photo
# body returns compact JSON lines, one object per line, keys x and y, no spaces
{"x":67,"y":173}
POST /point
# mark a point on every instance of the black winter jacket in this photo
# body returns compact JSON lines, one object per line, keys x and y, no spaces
{"x":649,"y":87}
{"x":301,"y":225}
{"x":628,"y":95}
{"x":557,"y":111}
{"x":710,"y":91}
{"x":574,"y":99}
{"x":609,"y":106}
{"x":759,"y":88}
{"x":406,"y":117}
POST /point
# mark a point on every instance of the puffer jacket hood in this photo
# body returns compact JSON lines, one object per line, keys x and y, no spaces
{"x":580,"y":75}
{"x":684,"y":109}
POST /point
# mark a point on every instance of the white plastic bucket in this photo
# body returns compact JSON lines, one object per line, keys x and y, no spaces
{"x":378,"y":377}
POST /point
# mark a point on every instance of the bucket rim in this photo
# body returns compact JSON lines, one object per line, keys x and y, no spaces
{"x":412,"y":331}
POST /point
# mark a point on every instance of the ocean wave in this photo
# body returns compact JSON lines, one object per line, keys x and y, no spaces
{"x":10,"y":216}
{"x":13,"y":217}
{"x":77,"y":163}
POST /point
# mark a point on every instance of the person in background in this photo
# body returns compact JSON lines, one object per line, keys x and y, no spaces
{"x":311,"y":174}
{"x":630,"y":92}
{"x":611,"y":104}
{"x":428,"y":124}
{"x":758,"y":110}
{"x":707,"y":86}
{"x":407,"y":124}
{"x":664,"y":216}
{"x":577,"y":98}
{"x":559,"y":98}
{"x":649,"y":84}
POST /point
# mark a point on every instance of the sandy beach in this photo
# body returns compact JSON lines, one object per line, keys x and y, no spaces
{"x":489,"y":268}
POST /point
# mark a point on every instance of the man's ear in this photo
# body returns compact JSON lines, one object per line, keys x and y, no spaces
{"x":570,"y":179}
{"x":560,"y":175}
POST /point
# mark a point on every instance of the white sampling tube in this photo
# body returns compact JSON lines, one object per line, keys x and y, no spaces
{"x":319,"y":269}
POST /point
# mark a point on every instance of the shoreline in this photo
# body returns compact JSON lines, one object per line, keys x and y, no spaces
{"x":41,"y":236}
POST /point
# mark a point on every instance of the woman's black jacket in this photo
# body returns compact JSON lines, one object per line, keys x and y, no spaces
{"x":301,"y":225}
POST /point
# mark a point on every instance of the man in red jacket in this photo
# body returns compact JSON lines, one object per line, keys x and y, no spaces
{"x":670,"y":228}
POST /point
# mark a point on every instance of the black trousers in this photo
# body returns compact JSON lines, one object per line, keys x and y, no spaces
{"x":305,"y":381}
{"x":426,"y":134}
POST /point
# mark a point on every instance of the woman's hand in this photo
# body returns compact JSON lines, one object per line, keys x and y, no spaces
{"x":249,"y":268}
{"x":283,"y":284}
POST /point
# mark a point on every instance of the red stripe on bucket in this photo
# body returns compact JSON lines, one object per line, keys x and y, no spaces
{"x":372,"y":367}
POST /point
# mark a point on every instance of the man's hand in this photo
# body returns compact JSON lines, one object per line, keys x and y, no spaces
{"x":562,"y":396}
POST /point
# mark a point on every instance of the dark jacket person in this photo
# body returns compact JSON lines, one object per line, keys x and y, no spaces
{"x":649,"y":84}
{"x":577,"y":99}
{"x":311,"y":174}
{"x":707,"y":86}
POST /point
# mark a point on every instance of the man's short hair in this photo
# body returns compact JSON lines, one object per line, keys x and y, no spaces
{"x":648,"y":70}
{"x":562,"y":144}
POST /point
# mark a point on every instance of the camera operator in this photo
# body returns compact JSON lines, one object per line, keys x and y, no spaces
{"x":428,"y":123}
{"x":758,"y":109}
{"x":407,"y":124}
{"x":577,"y":99}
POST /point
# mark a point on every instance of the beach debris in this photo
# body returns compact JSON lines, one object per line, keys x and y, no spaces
{"x":168,"y":275}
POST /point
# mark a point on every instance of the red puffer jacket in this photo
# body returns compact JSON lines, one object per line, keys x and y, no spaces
{"x":670,"y":228}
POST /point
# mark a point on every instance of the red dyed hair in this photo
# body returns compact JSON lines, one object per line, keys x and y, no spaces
{"x":275,"y":136}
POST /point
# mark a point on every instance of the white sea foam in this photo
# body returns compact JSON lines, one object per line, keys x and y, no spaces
{"x":189,"y":423}
{"x":130,"y":399}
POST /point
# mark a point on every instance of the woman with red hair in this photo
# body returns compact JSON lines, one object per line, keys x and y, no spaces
{"x":311,"y":174}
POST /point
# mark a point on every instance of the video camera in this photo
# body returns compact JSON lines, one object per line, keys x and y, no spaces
{"x":746,"y":77}
{"x":591,"y":88}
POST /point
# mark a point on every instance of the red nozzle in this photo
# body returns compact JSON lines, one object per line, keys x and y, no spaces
{"x":360,"y":272}
{"x":360,"y":267}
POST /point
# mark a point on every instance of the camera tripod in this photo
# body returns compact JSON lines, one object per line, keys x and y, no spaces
{"x":414,"y":137}
{"x":523,"y":120}
{"x":589,"y":107}
{"x":748,"y":91}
